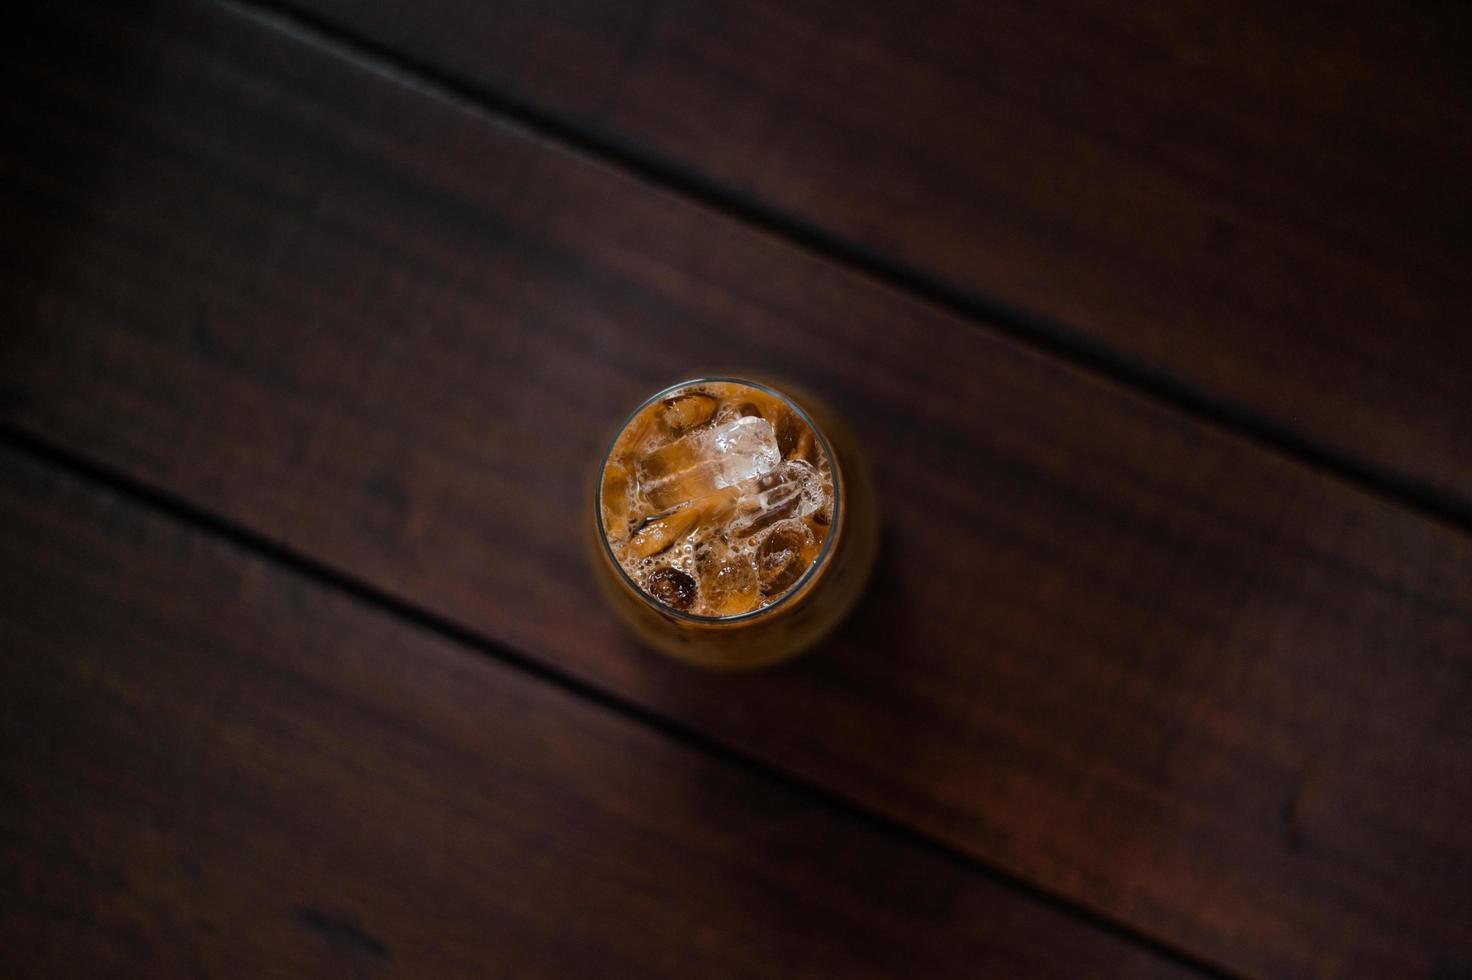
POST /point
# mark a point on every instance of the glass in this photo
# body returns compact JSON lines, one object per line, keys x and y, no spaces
{"x":734,"y":524}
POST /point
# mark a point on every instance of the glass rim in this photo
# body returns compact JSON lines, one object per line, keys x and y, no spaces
{"x":798,"y":588}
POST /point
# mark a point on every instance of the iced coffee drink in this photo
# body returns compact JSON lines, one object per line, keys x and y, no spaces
{"x":730,"y":524}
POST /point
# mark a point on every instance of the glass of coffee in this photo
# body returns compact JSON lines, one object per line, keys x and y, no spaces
{"x":735,"y":524}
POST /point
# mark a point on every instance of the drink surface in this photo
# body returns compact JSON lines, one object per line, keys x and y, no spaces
{"x":717,"y":498}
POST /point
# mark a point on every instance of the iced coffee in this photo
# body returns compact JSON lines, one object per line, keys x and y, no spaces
{"x":721,"y":504}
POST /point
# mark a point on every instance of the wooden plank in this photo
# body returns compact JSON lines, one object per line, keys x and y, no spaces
{"x":1139,"y":662}
{"x":212,"y":766}
{"x":1269,"y":205}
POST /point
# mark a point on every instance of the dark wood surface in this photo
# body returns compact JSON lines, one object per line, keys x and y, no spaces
{"x":1268,"y":206}
{"x":214,"y":767}
{"x":1181,"y":682}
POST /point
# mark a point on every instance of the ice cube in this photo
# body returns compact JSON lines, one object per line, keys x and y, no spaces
{"x":658,"y":531}
{"x":687,"y":410}
{"x":783,"y":556}
{"x":615,"y":498}
{"x":727,"y":579}
{"x":707,"y":460}
{"x":777,"y":496}
{"x":794,"y":438}
{"x":794,"y":489}
{"x":672,"y":587}
{"x":662,"y":530}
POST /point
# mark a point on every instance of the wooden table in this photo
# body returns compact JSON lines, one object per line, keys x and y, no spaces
{"x":1154,"y":320}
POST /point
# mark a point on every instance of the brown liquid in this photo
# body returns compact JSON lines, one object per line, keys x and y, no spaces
{"x":717,"y":499}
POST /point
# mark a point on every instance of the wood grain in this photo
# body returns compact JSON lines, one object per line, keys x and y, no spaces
{"x":1139,"y":662}
{"x":213,"y":767}
{"x":1268,"y":205}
